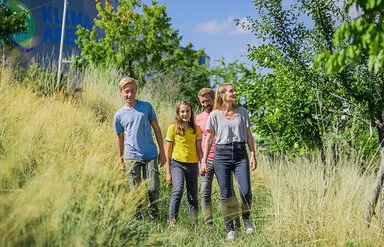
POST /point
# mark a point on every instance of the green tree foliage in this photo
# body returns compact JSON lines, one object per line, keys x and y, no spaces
{"x":138,"y":39}
{"x":362,"y":38}
{"x":11,"y":23}
{"x":294,"y":102}
{"x":359,"y":48}
{"x":357,"y":58}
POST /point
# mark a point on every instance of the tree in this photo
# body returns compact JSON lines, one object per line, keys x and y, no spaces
{"x":138,"y":39}
{"x":359,"y":45}
{"x":11,"y":23}
{"x":291,"y":101}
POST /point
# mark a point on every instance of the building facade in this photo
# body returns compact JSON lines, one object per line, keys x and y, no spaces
{"x":44,"y":20}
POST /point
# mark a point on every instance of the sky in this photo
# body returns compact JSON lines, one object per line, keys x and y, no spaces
{"x":209,"y":25}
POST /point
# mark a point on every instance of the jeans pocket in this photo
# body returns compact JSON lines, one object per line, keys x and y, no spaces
{"x":219,"y":148}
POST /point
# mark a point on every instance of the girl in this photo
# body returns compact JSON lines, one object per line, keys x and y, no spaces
{"x":231,"y":127}
{"x":183,"y":152}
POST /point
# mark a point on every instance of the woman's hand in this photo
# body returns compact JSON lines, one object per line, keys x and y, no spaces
{"x":253,"y":163}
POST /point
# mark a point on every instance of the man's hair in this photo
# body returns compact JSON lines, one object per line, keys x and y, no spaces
{"x":206,"y":91}
{"x":125,"y":81}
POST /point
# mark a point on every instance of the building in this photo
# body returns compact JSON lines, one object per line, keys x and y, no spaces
{"x":44,"y":20}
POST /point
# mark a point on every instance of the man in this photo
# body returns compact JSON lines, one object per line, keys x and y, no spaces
{"x":206,"y":98}
{"x":132,"y":125}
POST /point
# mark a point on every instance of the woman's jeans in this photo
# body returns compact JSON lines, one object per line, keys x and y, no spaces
{"x":230,"y":158}
{"x":181,"y":172}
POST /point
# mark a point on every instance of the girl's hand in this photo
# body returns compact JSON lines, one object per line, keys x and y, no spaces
{"x":253,"y":163}
{"x":169,"y":178}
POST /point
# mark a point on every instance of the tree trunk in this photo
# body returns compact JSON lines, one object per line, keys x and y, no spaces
{"x":370,"y":211}
{"x":382,"y":204}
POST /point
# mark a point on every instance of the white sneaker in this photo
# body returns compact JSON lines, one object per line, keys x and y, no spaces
{"x":230,"y":236}
{"x":249,"y":229}
{"x":172,"y":223}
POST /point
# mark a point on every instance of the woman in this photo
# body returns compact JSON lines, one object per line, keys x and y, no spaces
{"x":230,"y":125}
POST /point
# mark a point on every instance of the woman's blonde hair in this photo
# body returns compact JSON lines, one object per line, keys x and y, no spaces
{"x":179,"y":123}
{"x":221,"y":89}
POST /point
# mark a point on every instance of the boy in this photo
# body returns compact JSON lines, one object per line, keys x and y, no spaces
{"x":132,"y":125}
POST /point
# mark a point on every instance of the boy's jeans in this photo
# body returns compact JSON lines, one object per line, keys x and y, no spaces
{"x":140,"y":170}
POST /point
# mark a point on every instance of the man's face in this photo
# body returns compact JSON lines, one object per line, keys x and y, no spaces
{"x":206,"y":101}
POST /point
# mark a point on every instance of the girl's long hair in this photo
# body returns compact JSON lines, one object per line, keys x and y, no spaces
{"x":179,"y":123}
{"x":221,"y":89}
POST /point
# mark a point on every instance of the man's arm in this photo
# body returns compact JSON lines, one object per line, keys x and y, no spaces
{"x":120,"y":149}
{"x":207,"y":147}
{"x":159,"y":139}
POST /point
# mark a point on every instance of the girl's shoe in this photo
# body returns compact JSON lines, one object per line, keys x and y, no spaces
{"x":172,"y":222}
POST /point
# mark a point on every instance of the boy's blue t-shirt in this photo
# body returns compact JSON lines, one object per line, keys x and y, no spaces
{"x":136,"y":123}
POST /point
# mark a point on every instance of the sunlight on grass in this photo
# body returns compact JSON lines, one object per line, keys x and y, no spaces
{"x":60,"y":182}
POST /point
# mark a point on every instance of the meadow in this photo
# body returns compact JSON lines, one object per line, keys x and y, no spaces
{"x":61,"y":186}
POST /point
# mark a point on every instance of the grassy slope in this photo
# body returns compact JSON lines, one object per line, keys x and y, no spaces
{"x":60,"y":185}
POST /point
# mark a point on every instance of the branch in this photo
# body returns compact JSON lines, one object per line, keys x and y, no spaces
{"x":376,"y":123}
{"x":339,"y":97}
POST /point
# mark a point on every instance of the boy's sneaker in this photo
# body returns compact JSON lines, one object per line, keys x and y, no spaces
{"x":248,"y":229}
{"x":230,"y":236}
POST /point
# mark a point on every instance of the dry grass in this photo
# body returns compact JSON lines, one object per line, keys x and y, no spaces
{"x":308,"y":211}
{"x":58,"y":172}
{"x":60,"y":184}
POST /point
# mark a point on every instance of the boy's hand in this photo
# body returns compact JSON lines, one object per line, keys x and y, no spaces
{"x":122,"y":167}
{"x":161,"y":159}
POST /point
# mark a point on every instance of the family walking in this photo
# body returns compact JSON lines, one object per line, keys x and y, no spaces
{"x":215,"y":140}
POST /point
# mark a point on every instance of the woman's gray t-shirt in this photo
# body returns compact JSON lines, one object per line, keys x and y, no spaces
{"x":229,"y":130}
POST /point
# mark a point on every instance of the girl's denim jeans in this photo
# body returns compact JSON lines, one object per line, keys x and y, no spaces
{"x":181,"y":172}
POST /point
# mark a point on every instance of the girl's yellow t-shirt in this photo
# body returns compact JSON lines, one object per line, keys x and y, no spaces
{"x":184,"y":146}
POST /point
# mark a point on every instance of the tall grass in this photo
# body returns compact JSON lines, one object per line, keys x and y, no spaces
{"x":312,"y":212}
{"x":60,"y":183}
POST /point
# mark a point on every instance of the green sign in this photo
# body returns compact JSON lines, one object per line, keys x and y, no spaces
{"x":23,"y":39}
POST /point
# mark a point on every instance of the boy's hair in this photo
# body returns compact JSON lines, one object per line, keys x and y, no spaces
{"x":125,"y":81}
{"x":206,"y":91}
{"x":179,"y":123}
